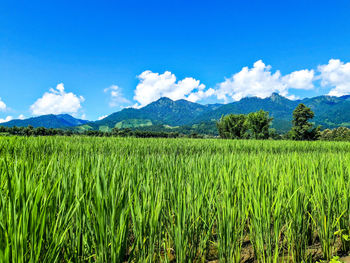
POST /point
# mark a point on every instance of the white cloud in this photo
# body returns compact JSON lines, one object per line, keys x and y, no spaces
{"x":199,"y":95}
{"x":153,"y":86}
{"x":57,"y":101}
{"x":2,"y":105}
{"x":102,"y":117}
{"x":302,"y":79}
{"x":116,"y":96}
{"x":335,"y":74}
{"x":8,"y":118}
{"x":292,"y":97}
{"x":259,"y":81}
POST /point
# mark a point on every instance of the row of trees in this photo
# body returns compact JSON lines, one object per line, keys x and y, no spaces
{"x":31,"y":131}
{"x":257,"y":125}
{"x":337,"y":134}
{"x":41,"y":131}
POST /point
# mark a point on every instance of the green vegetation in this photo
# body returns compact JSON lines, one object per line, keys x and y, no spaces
{"x":337,"y":134}
{"x":80,"y":199}
{"x":240,"y":126}
{"x":133,"y":123}
{"x":259,"y":123}
{"x":302,"y":128}
{"x":233,"y":126}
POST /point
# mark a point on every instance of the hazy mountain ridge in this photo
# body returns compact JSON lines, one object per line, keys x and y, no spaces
{"x":47,"y":121}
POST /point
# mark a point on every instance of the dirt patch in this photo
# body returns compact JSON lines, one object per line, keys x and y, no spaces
{"x":345,"y":259}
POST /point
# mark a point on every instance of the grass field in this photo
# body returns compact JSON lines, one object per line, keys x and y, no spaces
{"x":79,"y":199}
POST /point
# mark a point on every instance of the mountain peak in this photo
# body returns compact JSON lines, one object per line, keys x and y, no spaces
{"x":164,"y":99}
{"x":277,"y":97}
{"x":63,"y":115}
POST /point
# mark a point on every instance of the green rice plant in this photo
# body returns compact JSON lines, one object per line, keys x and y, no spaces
{"x":325,"y":206}
{"x":266,"y":215}
{"x":147,"y":205}
{"x":299,"y":227}
{"x":231,"y":215}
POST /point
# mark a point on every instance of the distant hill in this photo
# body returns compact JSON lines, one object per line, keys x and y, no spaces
{"x":163,"y":111}
{"x":330,"y":112}
{"x":181,"y":115}
{"x":47,"y":121}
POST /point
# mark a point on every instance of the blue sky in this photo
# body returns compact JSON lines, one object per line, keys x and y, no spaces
{"x":91,"y":58}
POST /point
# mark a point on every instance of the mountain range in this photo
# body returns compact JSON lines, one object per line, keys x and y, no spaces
{"x":185,"y":116}
{"x":47,"y":121}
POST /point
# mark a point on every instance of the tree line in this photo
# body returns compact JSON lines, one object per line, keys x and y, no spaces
{"x":256,"y":125}
{"x":41,"y":131}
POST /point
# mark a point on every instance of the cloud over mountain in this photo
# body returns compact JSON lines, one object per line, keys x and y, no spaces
{"x":336,"y":74}
{"x":261,"y":82}
{"x":153,"y":86}
{"x":57,"y":101}
{"x":8,"y":118}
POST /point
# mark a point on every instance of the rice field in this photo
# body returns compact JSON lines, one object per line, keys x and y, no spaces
{"x":78,"y":199}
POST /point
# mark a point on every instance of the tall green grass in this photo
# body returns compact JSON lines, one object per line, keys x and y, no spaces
{"x":172,"y":200}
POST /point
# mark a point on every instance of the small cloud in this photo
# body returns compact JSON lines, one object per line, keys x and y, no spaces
{"x":21,"y":117}
{"x":57,"y":101}
{"x":196,"y":96}
{"x":8,"y":118}
{"x":2,"y":105}
{"x":302,"y":79}
{"x":116,"y":96}
{"x":135,"y":106}
{"x":102,"y":117}
{"x":292,"y":97}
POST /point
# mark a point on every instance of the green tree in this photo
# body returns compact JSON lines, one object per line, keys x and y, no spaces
{"x":28,"y":131}
{"x":232,"y":126}
{"x":115,"y":131}
{"x":259,"y":123}
{"x":302,"y":129}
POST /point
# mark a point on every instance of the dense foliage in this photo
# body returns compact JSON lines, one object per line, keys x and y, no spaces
{"x":259,"y":123}
{"x":41,"y":131}
{"x":337,"y":134}
{"x":233,"y":126}
{"x":79,"y":199}
{"x":239,"y":126}
{"x":302,"y":129}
